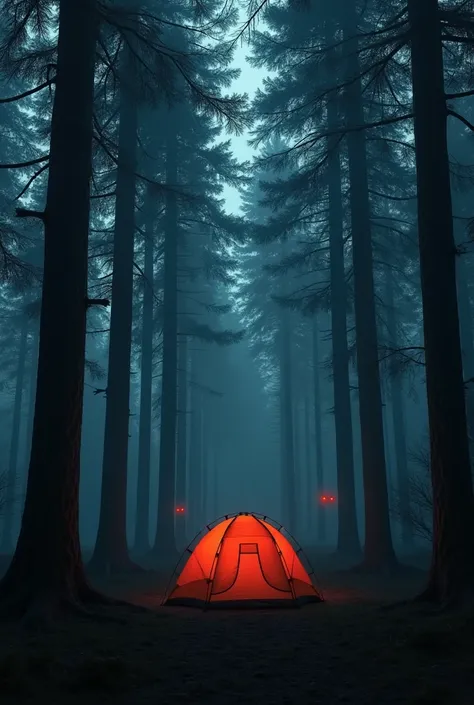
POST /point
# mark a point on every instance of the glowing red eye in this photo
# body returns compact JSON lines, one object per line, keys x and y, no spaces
{"x":331,"y":499}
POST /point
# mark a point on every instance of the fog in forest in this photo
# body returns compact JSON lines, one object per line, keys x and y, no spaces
{"x":241,"y":456}
{"x":237,"y":337}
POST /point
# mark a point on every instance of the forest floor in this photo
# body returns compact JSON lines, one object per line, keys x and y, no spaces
{"x":356,"y":648}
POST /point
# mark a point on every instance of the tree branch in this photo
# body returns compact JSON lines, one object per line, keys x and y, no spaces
{"x":464,"y":94}
{"x":464,"y":120}
{"x":12,"y":99}
{"x":97,"y":302}
{"x":21,"y":165}
{"x":30,"y":181}
{"x":26,"y":213}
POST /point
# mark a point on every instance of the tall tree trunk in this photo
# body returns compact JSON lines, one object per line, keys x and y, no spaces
{"x":387,"y":442}
{"x":467,"y":340}
{"x":30,"y":413}
{"x":31,"y":394}
{"x":378,"y":548}
{"x":142,"y":520}
{"x":321,"y":534}
{"x":11,"y":478}
{"x":282,"y":456}
{"x":165,"y":542}
{"x":46,"y":573}
{"x":464,"y":305}
{"x":205,"y":464}
{"x":452,"y":567}
{"x":111,"y":549}
{"x":298,"y":463}
{"x":215,"y":493}
{"x":398,"y":417}
{"x":195,"y":449}
{"x":309,"y":503}
{"x":348,"y":542}
{"x":182,"y":437}
{"x":286,"y":420}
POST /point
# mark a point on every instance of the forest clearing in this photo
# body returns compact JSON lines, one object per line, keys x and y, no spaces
{"x":357,"y":648}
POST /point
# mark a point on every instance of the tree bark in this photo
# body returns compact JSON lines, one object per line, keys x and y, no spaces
{"x":182,"y":437}
{"x":299,"y":464}
{"x":378,"y":547}
{"x":142,"y":521}
{"x":111,"y":549}
{"x":195,"y":449}
{"x":46,"y":573}
{"x":215,"y":492}
{"x":310,"y":499}
{"x":321,"y":525}
{"x":387,"y":443}
{"x":467,"y":340}
{"x":452,"y":568}
{"x":165,"y":542}
{"x":288,"y":487}
{"x":463,"y":266}
{"x":205,"y":464}
{"x":348,"y":542}
{"x":398,"y":417}
{"x":31,"y":395}
{"x":12,"y":478}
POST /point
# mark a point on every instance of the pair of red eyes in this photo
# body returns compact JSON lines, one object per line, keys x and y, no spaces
{"x":179,"y":510}
{"x":326,"y":498}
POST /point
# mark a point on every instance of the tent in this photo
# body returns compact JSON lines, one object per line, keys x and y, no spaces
{"x":243,"y":560}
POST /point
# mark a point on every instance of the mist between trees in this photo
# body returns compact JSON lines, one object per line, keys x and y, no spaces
{"x":183,"y":354}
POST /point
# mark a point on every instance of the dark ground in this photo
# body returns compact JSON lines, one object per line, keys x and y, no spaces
{"x":351,"y":649}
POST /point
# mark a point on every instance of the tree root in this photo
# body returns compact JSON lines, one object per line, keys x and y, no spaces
{"x":428,"y":595}
{"x":459,"y":600}
{"x":40,"y":611}
{"x":429,"y":602}
{"x":44,"y":611}
{"x":91,"y":596}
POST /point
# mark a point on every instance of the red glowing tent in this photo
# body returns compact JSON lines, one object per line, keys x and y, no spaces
{"x":243,"y":560}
